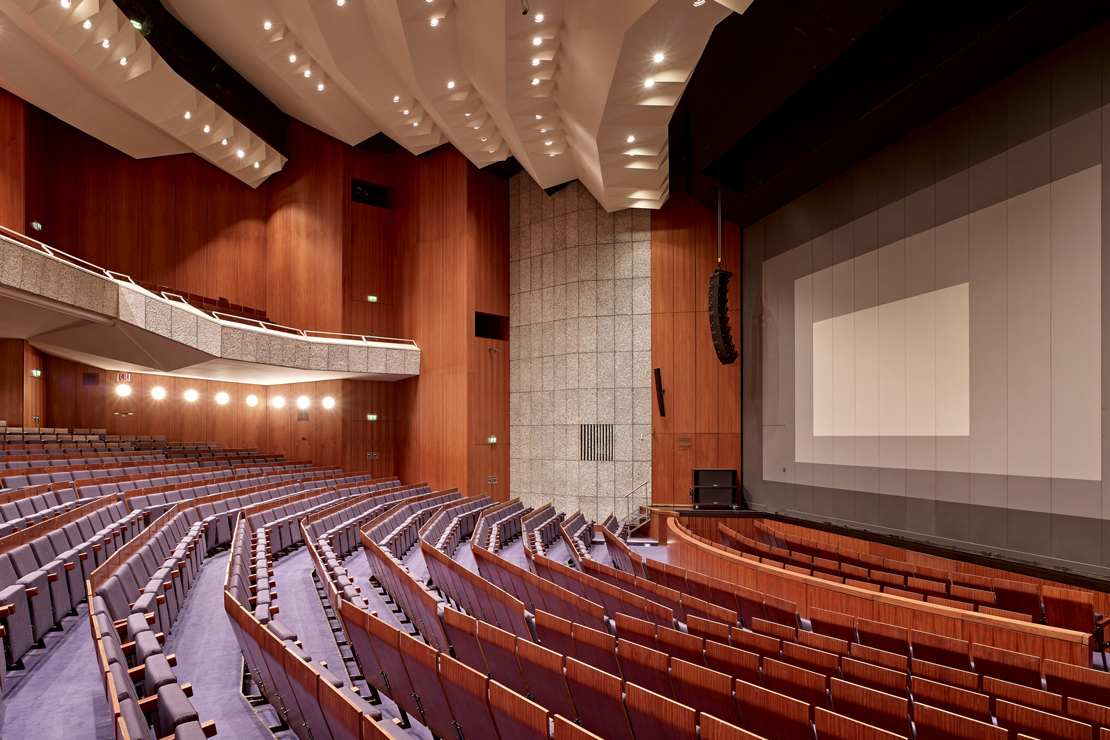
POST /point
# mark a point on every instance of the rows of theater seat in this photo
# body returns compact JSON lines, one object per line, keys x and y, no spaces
{"x":578,"y":533}
{"x":454,"y":522}
{"x":541,"y":528}
{"x":129,"y":621}
{"x":499,"y":524}
{"x":401,"y":529}
{"x":1029,"y":602}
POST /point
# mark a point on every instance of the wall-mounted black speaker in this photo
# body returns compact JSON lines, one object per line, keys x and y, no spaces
{"x":659,"y":392}
{"x":718,"y":317}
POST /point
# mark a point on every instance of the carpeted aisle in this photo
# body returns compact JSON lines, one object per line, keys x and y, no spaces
{"x":208,"y":657}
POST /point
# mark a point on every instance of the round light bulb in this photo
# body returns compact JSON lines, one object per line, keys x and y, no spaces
{"x":547,"y":143}
{"x":535,"y":81}
{"x":188,"y":115}
{"x":241,"y":154}
{"x":535,"y":62}
{"x":539,"y":18}
{"x":86,"y":25}
{"x":302,"y":402}
{"x":537,"y":41}
{"x":631,"y":139}
{"x":396,"y":98}
{"x":435,"y":22}
{"x":106,"y":43}
{"x":279,"y":402}
{"x":224,"y":142}
{"x":207,"y":128}
{"x":222,"y":398}
{"x":158,"y":393}
{"x":191,"y":396}
{"x":252,"y":400}
{"x":658,"y":58}
{"x":450,"y":85}
{"x":649,"y":83}
{"x":292,"y":58}
{"x":266,"y":25}
{"x":320,"y":87}
{"x":123,"y":62}
{"x":123,"y":390}
{"x":256,"y":165}
{"x":308,"y":73}
{"x":329,"y":402}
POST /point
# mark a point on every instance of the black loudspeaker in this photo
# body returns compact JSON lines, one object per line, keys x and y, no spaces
{"x":718,"y":317}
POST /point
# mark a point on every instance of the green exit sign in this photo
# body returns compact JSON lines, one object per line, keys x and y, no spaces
{"x":372,"y":298}
{"x":371,"y":417}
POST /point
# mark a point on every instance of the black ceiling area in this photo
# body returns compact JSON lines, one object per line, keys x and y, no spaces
{"x":794,"y":92}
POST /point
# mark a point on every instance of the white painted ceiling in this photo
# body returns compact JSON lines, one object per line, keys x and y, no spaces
{"x":565,"y":107}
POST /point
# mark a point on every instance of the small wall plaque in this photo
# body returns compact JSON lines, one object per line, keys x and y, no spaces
{"x":685,"y":443}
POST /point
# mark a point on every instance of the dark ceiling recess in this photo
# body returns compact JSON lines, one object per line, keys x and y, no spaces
{"x":792,"y":109}
{"x":505,"y":169}
{"x":206,"y":71}
{"x":379,"y":142}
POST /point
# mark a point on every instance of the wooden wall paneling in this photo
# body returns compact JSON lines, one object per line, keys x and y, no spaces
{"x":159,"y":198}
{"x":480,"y":469}
{"x":191,"y":418}
{"x":34,"y":389}
{"x":279,"y":434}
{"x":157,"y":415}
{"x":331,"y":204}
{"x":190,"y":268}
{"x":500,"y":468}
{"x":90,"y":406}
{"x":222,"y":422}
{"x":125,"y":215}
{"x":250,"y":235}
{"x":369,"y":243}
{"x":705,"y":453}
{"x":663,"y":484}
{"x":12,"y":157}
{"x":487,"y":199}
{"x":251,"y":420}
{"x":302,"y":433}
{"x":682,"y":210}
{"x":123,"y":413}
{"x":328,"y":423}
{"x":92,"y":203}
{"x":11,"y":378}
{"x":662,"y":263}
{"x":222,"y":264}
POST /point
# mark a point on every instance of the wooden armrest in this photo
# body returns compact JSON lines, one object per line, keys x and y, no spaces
{"x":172,"y":659}
{"x":273,"y":609}
{"x":128,"y":648}
{"x":6,"y":610}
{"x":208,"y":728}
{"x":252,"y":601}
{"x":83,"y":556}
{"x":177,"y":573}
{"x":187,"y":688}
{"x":148,"y":704}
{"x":120,"y":625}
{"x":33,"y":591}
{"x":96,"y":548}
{"x":161,"y":637}
{"x":150,"y":617}
{"x":70,"y":566}
{"x":160,"y":600}
{"x":1103,"y":622}
{"x":51,"y":577}
{"x":137,"y":673}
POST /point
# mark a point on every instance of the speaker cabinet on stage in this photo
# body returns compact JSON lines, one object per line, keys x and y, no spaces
{"x":718,"y":317}
{"x":714,"y":487}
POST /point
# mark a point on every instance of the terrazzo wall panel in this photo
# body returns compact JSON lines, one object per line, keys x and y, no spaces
{"x":580,"y":348}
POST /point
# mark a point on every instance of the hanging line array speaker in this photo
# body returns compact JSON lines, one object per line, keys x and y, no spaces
{"x":718,"y":317}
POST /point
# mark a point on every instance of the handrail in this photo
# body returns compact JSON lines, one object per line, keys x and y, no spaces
{"x":170,"y":296}
{"x":617,"y":498}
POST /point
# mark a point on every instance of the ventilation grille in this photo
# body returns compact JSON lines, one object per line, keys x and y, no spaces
{"x":595,"y":441}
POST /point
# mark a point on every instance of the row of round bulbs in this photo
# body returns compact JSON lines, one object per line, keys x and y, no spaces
{"x":158,"y":393}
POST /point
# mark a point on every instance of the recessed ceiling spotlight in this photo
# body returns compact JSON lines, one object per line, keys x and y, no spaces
{"x":539,"y":18}
{"x":699,"y":3}
{"x":241,"y":154}
{"x":123,"y":62}
{"x":631,"y":139}
{"x":308,"y":73}
{"x":416,"y":123}
{"x":535,"y":81}
{"x":658,"y":57}
{"x":649,"y":83}
{"x":224,"y":142}
{"x":65,"y":3}
{"x":547,"y":143}
{"x":450,"y":85}
{"x":188,"y":115}
{"x":406,"y":111}
{"x":87,"y":24}
{"x":467,"y":115}
{"x":535,"y":62}
{"x":340,"y":2}
{"x":538,"y":116}
{"x":267,"y":25}
{"x":320,"y":87}
{"x":491,"y":151}
{"x":475,"y":128}
{"x":435,"y":22}
{"x":396,"y":98}
{"x":207,"y":128}
{"x":484,"y":140}
{"x":543,"y":131}
{"x":292,"y":58}
{"x":537,"y":41}
{"x":106,"y":43}
{"x":256,"y":165}
{"x":552,"y":154}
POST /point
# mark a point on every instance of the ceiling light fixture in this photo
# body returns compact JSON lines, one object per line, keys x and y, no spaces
{"x":87,"y":24}
{"x":699,"y":3}
{"x":188,"y":115}
{"x":435,"y":22}
{"x":222,"y":398}
{"x":292,"y":58}
{"x":224,"y":142}
{"x":406,"y":111}
{"x":535,"y":62}
{"x":279,"y":402}
{"x":467,"y":115}
{"x":547,"y":143}
{"x":242,"y":154}
{"x":535,"y":81}
{"x":475,"y":128}
{"x":543,"y":131}
{"x":65,"y":3}
{"x":340,"y":2}
{"x":552,"y":154}
{"x":308,"y":73}
{"x":537,"y":41}
{"x":267,"y":25}
{"x":191,"y":396}
{"x":450,"y":85}
{"x":649,"y":83}
{"x":123,"y":62}
{"x":256,"y":165}
{"x":491,"y":151}
{"x":329,"y":402}
{"x":158,"y":393}
{"x":302,"y":402}
{"x":106,"y":43}
{"x":123,"y":390}
{"x":539,"y":18}
{"x":658,"y":57}
{"x":485,"y":139}
{"x":396,"y":98}
{"x":630,"y":139}
{"x":252,"y":400}
{"x":416,"y":123}
{"x":538,"y":116}
{"x":320,"y":87}
{"x":207,"y":128}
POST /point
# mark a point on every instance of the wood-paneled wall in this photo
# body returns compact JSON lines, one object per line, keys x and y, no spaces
{"x":12,"y":160}
{"x":22,"y":396}
{"x":702,"y":399}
